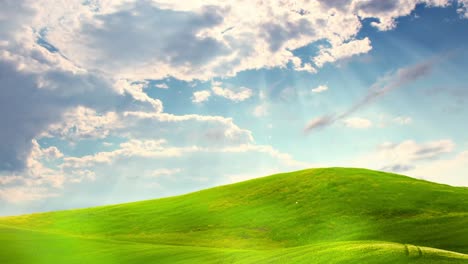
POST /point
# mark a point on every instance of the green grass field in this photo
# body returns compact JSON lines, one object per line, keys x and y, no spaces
{"x":334,"y":215}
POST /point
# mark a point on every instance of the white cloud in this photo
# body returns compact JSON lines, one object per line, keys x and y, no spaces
{"x":76,"y":69}
{"x":82,"y":122}
{"x":388,"y":120}
{"x":135,"y":89}
{"x":82,"y":175}
{"x":357,"y":122}
{"x":201,"y":96}
{"x":159,"y":149}
{"x":19,"y":194}
{"x":131,"y":148}
{"x":319,"y":89}
{"x":206,"y":38}
{"x":451,"y":171}
{"x":405,"y":157}
{"x":31,"y":101}
{"x":463,"y":8}
{"x":36,"y":173}
{"x":261,"y":110}
{"x":52,"y":153}
{"x":234,"y":94}
{"x":403,"y":120}
{"x":38,"y":181}
{"x":343,"y":51}
{"x":7,"y":179}
{"x":203,"y":130}
{"x":388,"y":11}
{"x":162,"y":86}
{"x":410,"y":150}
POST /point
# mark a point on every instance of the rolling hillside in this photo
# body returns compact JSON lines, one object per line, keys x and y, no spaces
{"x":333,"y":215}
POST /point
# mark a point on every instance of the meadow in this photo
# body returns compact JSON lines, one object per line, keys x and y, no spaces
{"x":328,"y":215}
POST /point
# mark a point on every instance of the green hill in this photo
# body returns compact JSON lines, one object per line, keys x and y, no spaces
{"x":334,"y":215}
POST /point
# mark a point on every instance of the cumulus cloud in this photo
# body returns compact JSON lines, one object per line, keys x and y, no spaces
{"x":136,"y":90}
{"x":30,"y":102}
{"x":435,"y":160}
{"x":84,"y":123}
{"x":179,"y":46}
{"x":319,"y":89}
{"x":131,"y":148}
{"x":37,"y":180}
{"x":13,"y":15}
{"x":79,"y":69}
{"x":357,"y":122}
{"x":201,"y":96}
{"x":450,"y":170}
{"x":234,"y":94}
{"x":406,"y":156}
{"x":210,"y":38}
{"x":387,"y":11}
{"x":410,"y":150}
{"x":159,"y":149}
{"x":186,"y":129}
{"x":162,"y":86}
{"x":343,"y":51}
{"x":52,"y":153}
{"x":81,"y":122}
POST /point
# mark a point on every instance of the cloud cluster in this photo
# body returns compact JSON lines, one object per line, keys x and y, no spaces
{"x":210,"y":38}
{"x":342,"y":51}
{"x":436,"y":160}
{"x":235,"y":94}
{"x":30,"y":102}
{"x":409,"y":150}
{"x":406,"y":156}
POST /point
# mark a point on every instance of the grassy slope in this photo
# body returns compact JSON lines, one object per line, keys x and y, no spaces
{"x":329,"y":215}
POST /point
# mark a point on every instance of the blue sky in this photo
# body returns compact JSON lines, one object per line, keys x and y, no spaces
{"x":113,"y":101}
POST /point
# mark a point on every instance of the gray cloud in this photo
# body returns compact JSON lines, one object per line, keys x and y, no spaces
{"x":340,"y":4}
{"x":430,"y":152}
{"x":398,"y":168}
{"x":13,"y":14}
{"x":277,"y":35}
{"x":27,"y":108}
{"x":406,"y":155}
{"x":319,"y":122}
{"x":400,"y":78}
{"x":145,"y":32}
{"x":417,"y":152}
{"x":378,"y":6}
